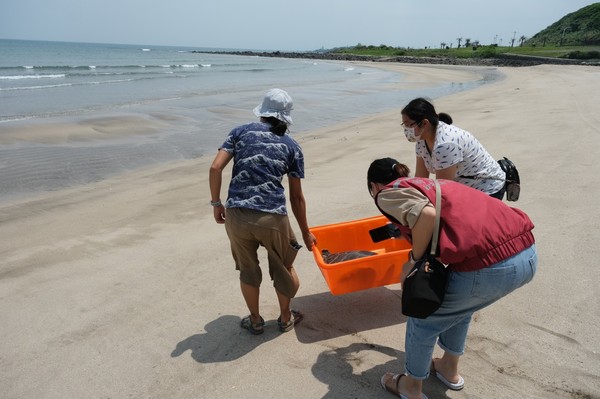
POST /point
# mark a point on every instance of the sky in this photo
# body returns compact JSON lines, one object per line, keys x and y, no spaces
{"x":301,"y":25}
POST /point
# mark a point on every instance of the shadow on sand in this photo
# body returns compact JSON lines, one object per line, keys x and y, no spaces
{"x":327,"y":316}
{"x":223,"y":341}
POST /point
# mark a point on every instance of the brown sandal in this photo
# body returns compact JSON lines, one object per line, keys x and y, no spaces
{"x":393,"y":389}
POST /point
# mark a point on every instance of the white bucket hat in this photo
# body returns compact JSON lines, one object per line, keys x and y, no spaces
{"x":277,"y":103}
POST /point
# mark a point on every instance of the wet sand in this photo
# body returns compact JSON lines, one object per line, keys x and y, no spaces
{"x":126,"y":287}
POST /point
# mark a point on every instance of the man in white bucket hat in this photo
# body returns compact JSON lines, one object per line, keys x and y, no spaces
{"x":255,"y":212}
{"x":278,"y":104}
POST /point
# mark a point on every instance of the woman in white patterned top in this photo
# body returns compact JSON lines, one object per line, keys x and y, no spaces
{"x":450,"y":152}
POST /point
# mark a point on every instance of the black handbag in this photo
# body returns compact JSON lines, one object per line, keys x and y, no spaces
{"x":513,"y":181}
{"x":424,"y":288}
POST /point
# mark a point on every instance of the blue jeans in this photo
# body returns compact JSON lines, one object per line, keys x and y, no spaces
{"x":467,"y":293}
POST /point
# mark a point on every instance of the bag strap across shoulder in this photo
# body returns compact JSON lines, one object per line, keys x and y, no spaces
{"x":508,"y":167}
{"x":438,"y":211}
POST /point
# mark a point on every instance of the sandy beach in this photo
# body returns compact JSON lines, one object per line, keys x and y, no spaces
{"x":126,"y":288}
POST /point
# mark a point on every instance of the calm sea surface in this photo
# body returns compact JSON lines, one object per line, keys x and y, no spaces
{"x":203,"y":95}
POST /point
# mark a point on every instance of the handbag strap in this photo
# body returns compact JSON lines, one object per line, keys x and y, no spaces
{"x":438,"y":211}
{"x":482,"y":178}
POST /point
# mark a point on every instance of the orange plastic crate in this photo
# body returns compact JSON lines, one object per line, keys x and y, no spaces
{"x":363,"y":273}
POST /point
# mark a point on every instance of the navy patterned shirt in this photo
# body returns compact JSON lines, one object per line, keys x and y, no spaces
{"x":261,"y":159}
{"x":455,"y":146}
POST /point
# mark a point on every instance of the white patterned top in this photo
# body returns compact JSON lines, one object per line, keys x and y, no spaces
{"x":455,"y":146}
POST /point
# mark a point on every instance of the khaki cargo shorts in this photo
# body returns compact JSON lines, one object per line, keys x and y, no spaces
{"x":247,"y":230}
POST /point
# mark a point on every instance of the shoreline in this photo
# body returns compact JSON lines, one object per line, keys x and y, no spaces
{"x":126,"y":288}
{"x":501,"y":60}
{"x":57,"y":150}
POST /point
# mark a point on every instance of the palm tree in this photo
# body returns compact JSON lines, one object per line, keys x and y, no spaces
{"x":522,"y":40}
{"x":467,"y":42}
{"x":459,"y":40}
{"x":442,"y":45}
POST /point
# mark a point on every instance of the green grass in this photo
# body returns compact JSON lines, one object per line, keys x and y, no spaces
{"x":483,"y":51}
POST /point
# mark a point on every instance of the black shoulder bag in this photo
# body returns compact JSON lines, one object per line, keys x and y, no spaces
{"x":512,"y":182}
{"x":424,"y":287}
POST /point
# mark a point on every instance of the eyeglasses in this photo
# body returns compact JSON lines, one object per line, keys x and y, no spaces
{"x":411,"y":124}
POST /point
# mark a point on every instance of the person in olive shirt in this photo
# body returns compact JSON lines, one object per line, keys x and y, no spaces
{"x":488,"y":246}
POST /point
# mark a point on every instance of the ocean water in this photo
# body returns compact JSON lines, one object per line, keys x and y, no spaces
{"x":188,"y":101}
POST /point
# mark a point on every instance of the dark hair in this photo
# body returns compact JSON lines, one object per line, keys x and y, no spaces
{"x":444,"y":117}
{"x":419,"y":109}
{"x":386,"y":170}
{"x":277,"y":127}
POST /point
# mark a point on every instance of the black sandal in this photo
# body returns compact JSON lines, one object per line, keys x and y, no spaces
{"x":295,"y":318}
{"x":257,"y":329}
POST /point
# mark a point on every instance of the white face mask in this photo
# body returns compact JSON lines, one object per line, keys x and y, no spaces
{"x":409,"y":132}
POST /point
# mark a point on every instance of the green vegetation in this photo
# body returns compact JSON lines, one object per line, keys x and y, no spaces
{"x":388,"y":51}
{"x":580,"y":28}
{"x":573,"y":52}
{"x":575,"y":36}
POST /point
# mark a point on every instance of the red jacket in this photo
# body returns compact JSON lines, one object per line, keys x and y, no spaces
{"x":476,"y":230}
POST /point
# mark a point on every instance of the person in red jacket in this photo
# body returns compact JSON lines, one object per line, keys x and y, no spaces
{"x":489,"y":249}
